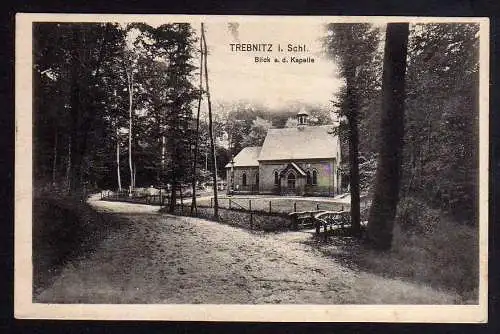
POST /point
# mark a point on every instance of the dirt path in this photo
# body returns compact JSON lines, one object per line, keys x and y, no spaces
{"x":166,"y":259}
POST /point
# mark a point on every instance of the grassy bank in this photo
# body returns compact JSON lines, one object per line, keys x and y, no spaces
{"x":273,"y":205}
{"x":258,"y":221}
{"x":443,"y":257}
{"x":63,"y":229}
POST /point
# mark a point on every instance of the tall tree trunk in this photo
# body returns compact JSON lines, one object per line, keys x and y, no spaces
{"x":163,"y":153}
{"x":54,"y":161}
{"x":75,"y":127}
{"x":194,"y":208}
{"x":130,"y":81}
{"x":135,"y":174}
{"x":386,"y":197}
{"x":173,"y":194}
{"x":352,"y":117}
{"x":118,"y":162}
{"x":118,"y":173}
{"x":210,"y":125}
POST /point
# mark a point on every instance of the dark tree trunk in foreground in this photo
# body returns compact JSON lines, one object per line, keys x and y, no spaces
{"x":352,"y":117}
{"x":210,"y":125}
{"x":387,"y":183}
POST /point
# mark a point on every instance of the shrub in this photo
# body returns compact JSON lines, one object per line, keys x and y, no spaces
{"x":268,"y":222}
{"x":416,"y":216}
{"x":63,"y":228}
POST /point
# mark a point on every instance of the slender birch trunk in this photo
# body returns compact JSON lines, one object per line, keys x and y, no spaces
{"x":130,"y":80}
{"x":163,"y":153}
{"x":118,"y":161}
{"x":210,"y":124}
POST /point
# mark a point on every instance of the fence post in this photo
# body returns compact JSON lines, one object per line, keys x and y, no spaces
{"x":324,"y":230}
{"x":270,"y":208}
{"x":251,"y":214}
{"x":294,"y":206}
{"x":211,"y":199}
{"x":229,"y":204}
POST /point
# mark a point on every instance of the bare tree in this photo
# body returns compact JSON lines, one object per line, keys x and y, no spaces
{"x":210,"y":125}
{"x":118,"y":175}
{"x":197,"y":133}
{"x":130,"y":88}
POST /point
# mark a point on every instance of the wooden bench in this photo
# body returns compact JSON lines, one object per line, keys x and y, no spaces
{"x":303,"y":219}
{"x":334,"y":221}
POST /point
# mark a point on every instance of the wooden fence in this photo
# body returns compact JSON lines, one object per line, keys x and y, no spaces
{"x":141,"y":198}
{"x":279,"y":206}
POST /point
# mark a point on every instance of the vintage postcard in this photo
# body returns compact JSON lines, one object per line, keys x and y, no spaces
{"x":251,"y":168}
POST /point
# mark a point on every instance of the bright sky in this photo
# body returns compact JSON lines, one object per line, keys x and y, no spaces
{"x":235,"y":76}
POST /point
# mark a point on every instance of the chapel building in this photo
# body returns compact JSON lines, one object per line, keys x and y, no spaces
{"x":299,"y":161}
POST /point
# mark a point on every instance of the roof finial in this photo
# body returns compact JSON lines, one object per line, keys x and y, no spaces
{"x":302,"y":117}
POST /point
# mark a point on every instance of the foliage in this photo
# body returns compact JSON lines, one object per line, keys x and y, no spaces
{"x":82,"y":102}
{"x":366,"y":55}
{"x":353,"y":46}
{"x":71,"y":85}
{"x":258,"y":132}
{"x":442,"y":105}
{"x":441,"y":119}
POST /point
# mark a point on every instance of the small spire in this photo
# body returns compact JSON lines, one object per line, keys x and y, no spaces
{"x":302,"y":118}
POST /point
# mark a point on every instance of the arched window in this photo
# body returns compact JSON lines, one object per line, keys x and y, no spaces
{"x":291,"y":180}
{"x":244,"y":179}
{"x":308,"y":178}
{"x":276,"y":178}
{"x":315,"y":177}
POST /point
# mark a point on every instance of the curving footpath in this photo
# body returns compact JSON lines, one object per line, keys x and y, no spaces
{"x":158,"y":258}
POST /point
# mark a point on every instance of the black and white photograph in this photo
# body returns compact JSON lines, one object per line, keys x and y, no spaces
{"x":261,"y":168}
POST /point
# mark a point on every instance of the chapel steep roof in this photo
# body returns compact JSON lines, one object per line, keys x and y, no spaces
{"x":309,"y":142}
{"x":246,"y":158}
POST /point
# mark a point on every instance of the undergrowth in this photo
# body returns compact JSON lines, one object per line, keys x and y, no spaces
{"x":428,"y":247}
{"x":64,"y":228}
